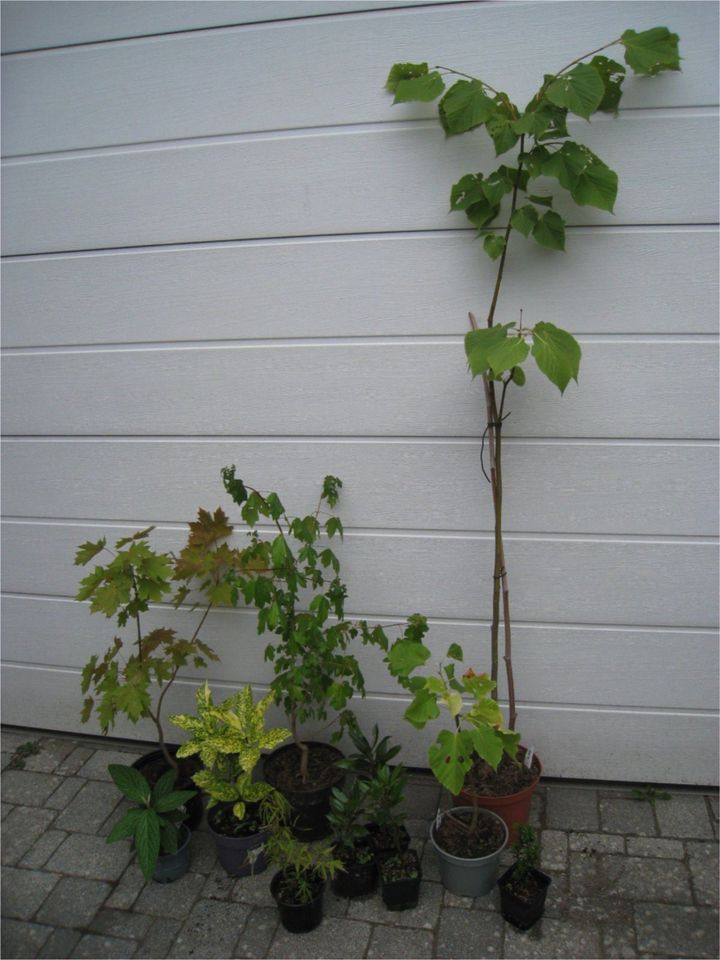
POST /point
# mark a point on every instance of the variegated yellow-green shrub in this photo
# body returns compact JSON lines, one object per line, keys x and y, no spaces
{"x":229,"y":738}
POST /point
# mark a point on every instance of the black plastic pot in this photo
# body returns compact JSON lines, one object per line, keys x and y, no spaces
{"x":172,"y":866}
{"x":382,"y":844}
{"x":298,"y":917}
{"x":522,"y":913}
{"x":401,"y":893}
{"x":239,"y":856}
{"x":153,"y":765}
{"x":356,"y":880}
{"x":309,"y":807}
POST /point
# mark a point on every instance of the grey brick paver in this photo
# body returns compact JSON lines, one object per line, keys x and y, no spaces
{"x":93,"y":946}
{"x":120,"y":923}
{"x":23,"y":827}
{"x":591,"y":843}
{"x":621,"y":815}
{"x":554,"y":939}
{"x":554,"y":850}
{"x":703,"y":864}
{"x":73,"y":902}
{"x":655,"y":847}
{"x":90,"y":808}
{"x":26,"y":788}
{"x":127,"y":890}
{"x":24,"y":891}
{"x":174,"y":901}
{"x":20,"y":939}
{"x":684,"y":817}
{"x":52,"y":752}
{"x":60,"y":944}
{"x":96,"y":766}
{"x":571,"y":808}
{"x":677,"y":930}
{"x":83,"y":855}
{"x":43,"y":848}
{"x":658,"y":880}
{"x":395,"y":943}
{"x":211,"y":930}
{"x":159,"y":940}
{"x":425,"y":915}
{"x":332,"y":939}
{"x":62,"y":797}
{"x":469,"y":933}
{"x":257,"y":934}
{"x":73,"y":761}
{"x":618,"y":940}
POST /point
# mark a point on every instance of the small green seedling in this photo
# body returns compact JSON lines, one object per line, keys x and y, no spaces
{"x":650,"y":794}
{"x":21,"y":753}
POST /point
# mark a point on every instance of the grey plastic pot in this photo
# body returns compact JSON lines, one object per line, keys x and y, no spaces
{"x":469,"y":876}
{"x":172,"y":866}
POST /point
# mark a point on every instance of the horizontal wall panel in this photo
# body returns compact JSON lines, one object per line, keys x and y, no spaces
{"x":353,"y":180}
{"x":420,"y":284}
{"x":628,"y":388}
{"x":30,"y":24}
{"x":218,"y":82}
{"x":609,"y":666}
{"x":668,"y":583}
{"x":661,"y":747}
{"x":603,"y":488}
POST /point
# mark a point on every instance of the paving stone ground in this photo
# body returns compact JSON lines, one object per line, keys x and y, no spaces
{"x":628,"y":880}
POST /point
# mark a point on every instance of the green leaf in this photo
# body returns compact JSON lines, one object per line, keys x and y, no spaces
{"x":545,"y":121}
{"x":524,"y":219}
{"x":478,"y":343}
{"x":579,"y":170}
{"x":450,"y":758}
{"x":581,"y":90}
{"x":406,"y":655}
{"x":488,"y":744}
{"x":133,"y":700}
{"x":493,"y":245}
{"x":174,"y":800}
{"x":86,"y":551}
{"x":455,"y":652}
{"x":426,"y":87}
{"x":518,"y":376}
{"x":404,"y":71}
{"x":506,"y":354}
{"x":423,"y":708}
{"x":557,"y":354}
{"x":147,"y":841}
{"x":468,"y":194}
{"x":164,"y":785}
{"x":500,"y":128}
{"x":612,"y":75}
{"x":651,"y":51}
{"x":130,"y":782}
{"x":542,"y":201}
{"x":549,"y":231}
{"x":125,"y":827}
{"x":465,"y":106}
{"x":235,"y":487}
{"x":279,"y":551}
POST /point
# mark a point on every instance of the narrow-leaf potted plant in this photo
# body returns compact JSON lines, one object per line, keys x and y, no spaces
{"x":523,"y":886}
{"x":496,"y":352}
{"x":155,"y":823}
{"x":137,"y":671}
{"x":467,"y":839}
{"x":229,"y":738}
{"x":298,"y":887}
{"x":293,"y":580}
{"x":352,"y":842}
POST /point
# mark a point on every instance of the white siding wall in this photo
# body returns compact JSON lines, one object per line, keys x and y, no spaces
{"x":222,"y":244}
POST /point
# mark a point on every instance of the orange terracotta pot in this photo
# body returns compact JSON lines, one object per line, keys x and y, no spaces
{"x":513,"y":808}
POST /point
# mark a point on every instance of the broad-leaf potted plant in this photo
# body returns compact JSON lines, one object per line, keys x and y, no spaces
{"x":351,"y":840}
{"x":136,"y":672}
{"x":229,"y":738}
{"x":496,"y":352}
{"x":156,"y":823}
{"x":467,"y":839}
{"x":523,"y":886}
{"x":293,"y":580}
{"x":298,"y":887}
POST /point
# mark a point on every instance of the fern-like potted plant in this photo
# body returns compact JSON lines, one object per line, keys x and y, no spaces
{"x":293,"y":580}
{"x":298,"y":887}
{"x":497,"y":351}
{"x":229,"y":739}
{"x":468,"y":840}
{"x":156,"y":823}
{"x":523,"y":886}
{"x":136,"y":672}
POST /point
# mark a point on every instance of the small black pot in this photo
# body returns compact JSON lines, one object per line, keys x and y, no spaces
{"x":309,"y":807}
{"x":382,"y":843}
{"x":153,"y":765}
{"x":298,"y":917}
{"x":519,"y":912}
{"x":356,"y":880}
{"x":402,"y":893}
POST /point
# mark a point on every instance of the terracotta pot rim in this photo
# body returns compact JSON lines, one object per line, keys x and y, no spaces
{"x":506,"y":798}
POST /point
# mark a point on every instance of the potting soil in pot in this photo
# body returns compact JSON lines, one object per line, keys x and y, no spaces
{"x":454,"y":837}
{"x":508,"y":779}
{"x":222,"y":819}
{"x":284,"y":769}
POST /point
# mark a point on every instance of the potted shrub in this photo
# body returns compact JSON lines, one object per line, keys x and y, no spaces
{"x":294,"y":582}
{"x":229,"y":739}
{"x":156,"y":823}
{"x":467,"y":839}
{"x":298,"y":886}
{"x":497,"y":351}
{"x":135,"y":674}
{"x":523,"y":887}
{"x":351,"y":841}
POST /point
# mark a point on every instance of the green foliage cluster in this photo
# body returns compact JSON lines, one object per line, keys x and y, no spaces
{"x":348,"y":818}
{"x":229,"y":738}
{"x":526,"y":853}
{"x":155,"y":821}
{"x":476,"y":721}
{"x":20,"y":754}
{"x":650,"y":795}
{"x":124,"y":587}
{"x":294,"y":582}
{"x":303,"y":865}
